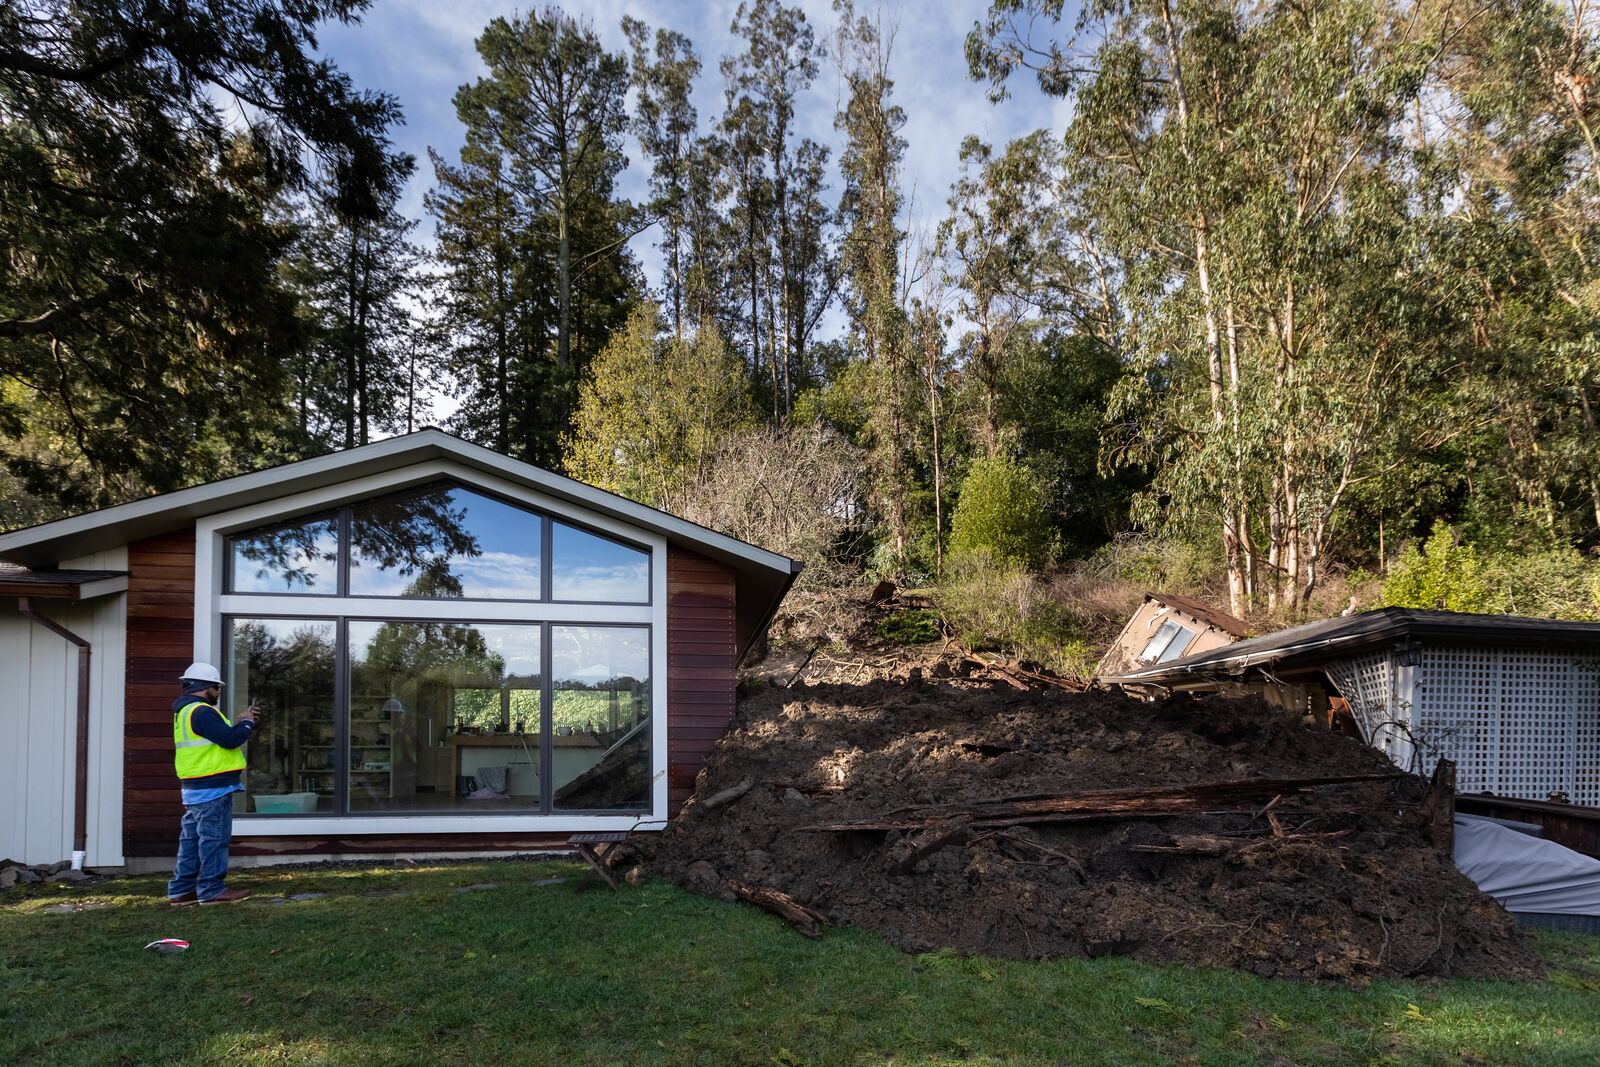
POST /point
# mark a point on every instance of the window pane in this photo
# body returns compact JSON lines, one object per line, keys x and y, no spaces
{"x":285,"y":666}
{"x":444,"y":717}
{"x":301,"y":558}
{"x":1178,"y":644}
{"x":444,"y":542}
{"x":1158,"y":644}
{"x":601,"y":716}
{"x":587,"y":567}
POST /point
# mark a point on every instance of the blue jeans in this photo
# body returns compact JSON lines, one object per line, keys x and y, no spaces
{"x":203,"y":849}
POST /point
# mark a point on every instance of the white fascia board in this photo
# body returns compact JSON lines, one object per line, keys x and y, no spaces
{"x":103,"y":587}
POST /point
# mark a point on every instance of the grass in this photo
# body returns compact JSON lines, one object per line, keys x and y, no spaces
{"x":571,"y":974}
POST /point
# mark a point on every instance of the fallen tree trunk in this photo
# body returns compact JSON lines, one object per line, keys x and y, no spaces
{"x":1202,"y":797}
{"x":807,"y":920}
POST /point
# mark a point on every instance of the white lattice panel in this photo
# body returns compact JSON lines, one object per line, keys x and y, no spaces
{"x":1367,"y":686}
{"x":1458,"y":714}
{"x":1537,"y":724}
{"x":1586,"y":746}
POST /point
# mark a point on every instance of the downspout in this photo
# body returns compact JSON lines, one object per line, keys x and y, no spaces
{"x":80,"y":803}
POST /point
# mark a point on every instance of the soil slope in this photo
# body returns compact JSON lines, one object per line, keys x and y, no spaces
{"x":1339,"y":884}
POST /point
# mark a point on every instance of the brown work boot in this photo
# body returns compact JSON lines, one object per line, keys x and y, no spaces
{"x":227,"y":896}
{"x":183,"y":900}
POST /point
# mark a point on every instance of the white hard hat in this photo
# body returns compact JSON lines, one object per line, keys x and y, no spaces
{"x":202,"y":672}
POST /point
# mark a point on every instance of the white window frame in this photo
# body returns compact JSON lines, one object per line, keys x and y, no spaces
{"x":212,"y":603}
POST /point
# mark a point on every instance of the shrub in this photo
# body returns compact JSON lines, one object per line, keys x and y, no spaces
{"x":910,"y":627}
{"x":1011,"y":611}
{"x":1001,"y":514}
{"x":1442,"y":574}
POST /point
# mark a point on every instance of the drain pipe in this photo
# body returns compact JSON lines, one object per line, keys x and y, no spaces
{"x":80,"y":813}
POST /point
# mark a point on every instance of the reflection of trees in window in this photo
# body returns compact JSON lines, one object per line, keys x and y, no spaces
{"x":300,"y":664}
{"x":296,"y":555}
{"x":417,"y":537}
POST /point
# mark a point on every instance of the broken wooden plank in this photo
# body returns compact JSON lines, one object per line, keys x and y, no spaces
{"x":808,"y":921}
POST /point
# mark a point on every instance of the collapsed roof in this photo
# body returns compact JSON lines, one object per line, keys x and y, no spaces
{"x":1314,"y":643}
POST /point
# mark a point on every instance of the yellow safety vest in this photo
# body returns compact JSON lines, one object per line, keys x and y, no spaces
{"x":195,"y":756}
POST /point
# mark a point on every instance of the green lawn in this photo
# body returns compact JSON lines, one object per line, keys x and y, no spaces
{"x":571,"y":974}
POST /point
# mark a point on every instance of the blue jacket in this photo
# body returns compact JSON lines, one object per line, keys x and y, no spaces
{"x":208,"y":722}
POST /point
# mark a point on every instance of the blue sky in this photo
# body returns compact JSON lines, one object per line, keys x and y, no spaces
{"x":422,"y":50}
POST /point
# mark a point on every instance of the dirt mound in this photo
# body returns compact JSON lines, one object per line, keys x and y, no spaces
{"x":966,"y":848}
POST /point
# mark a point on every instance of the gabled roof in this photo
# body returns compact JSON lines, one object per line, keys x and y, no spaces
{"x":1219,"y":620}
{"x":763,"y":577}
{"x":1313,"y":643}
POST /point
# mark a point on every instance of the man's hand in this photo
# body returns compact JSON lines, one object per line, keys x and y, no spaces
{"x":250,"y":714}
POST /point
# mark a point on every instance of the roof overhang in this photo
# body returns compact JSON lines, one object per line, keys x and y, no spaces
{"x":763,"y":577}
{"x":62,"y":585}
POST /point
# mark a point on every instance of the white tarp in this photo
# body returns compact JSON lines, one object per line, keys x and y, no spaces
{"x":1526,"y":874}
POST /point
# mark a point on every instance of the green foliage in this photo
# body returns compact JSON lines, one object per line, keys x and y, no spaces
{"x":1444,"y":574}
{"x":1001,"y":514}
{"x":534,"y":268}
{"x":909,"y":627}
{"x":144,"y":327}
{"x":653,"y":411}
{"x":1007,"y":610}
{"x":1447,"y":573}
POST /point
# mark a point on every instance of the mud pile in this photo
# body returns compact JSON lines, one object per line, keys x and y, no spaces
{"x":1337,"y":882}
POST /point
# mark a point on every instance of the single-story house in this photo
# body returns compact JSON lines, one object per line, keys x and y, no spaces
{"x":452,"y":652}
{"x":1515,"y":702}
{"x":1168,"y":627}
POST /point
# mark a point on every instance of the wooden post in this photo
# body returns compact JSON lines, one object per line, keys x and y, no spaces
{"x":1440,"y":807}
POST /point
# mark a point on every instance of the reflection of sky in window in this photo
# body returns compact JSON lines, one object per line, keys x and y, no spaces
{"x":586,"y":567}
{"x":293,"y":559}
{"x":593,"y":654}
{"x":505,"y":566}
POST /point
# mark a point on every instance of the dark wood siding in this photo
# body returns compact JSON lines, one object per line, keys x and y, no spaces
{"x":160,"y":646}
{"x":701,"y":671}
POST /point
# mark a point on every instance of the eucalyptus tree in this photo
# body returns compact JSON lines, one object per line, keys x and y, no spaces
{"x":777,"y":184}
{"x":665,"y":120}
{"x":141,"y":252}
{"x":1244,"y":171}
{"x":871,"y":213}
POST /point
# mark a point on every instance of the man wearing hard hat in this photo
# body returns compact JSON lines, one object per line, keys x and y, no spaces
{"x":208,"y":752}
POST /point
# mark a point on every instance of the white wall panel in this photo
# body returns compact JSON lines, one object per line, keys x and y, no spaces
{"x":38,"y":723}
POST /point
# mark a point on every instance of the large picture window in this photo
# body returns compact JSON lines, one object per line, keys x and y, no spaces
{"x":441,"y":651}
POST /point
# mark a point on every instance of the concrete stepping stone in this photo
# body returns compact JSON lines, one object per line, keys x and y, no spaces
{"x":73,"y":909}
{"x":477,"y":886}
{"x":307,"y":896}
{"x":550,"y":881}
